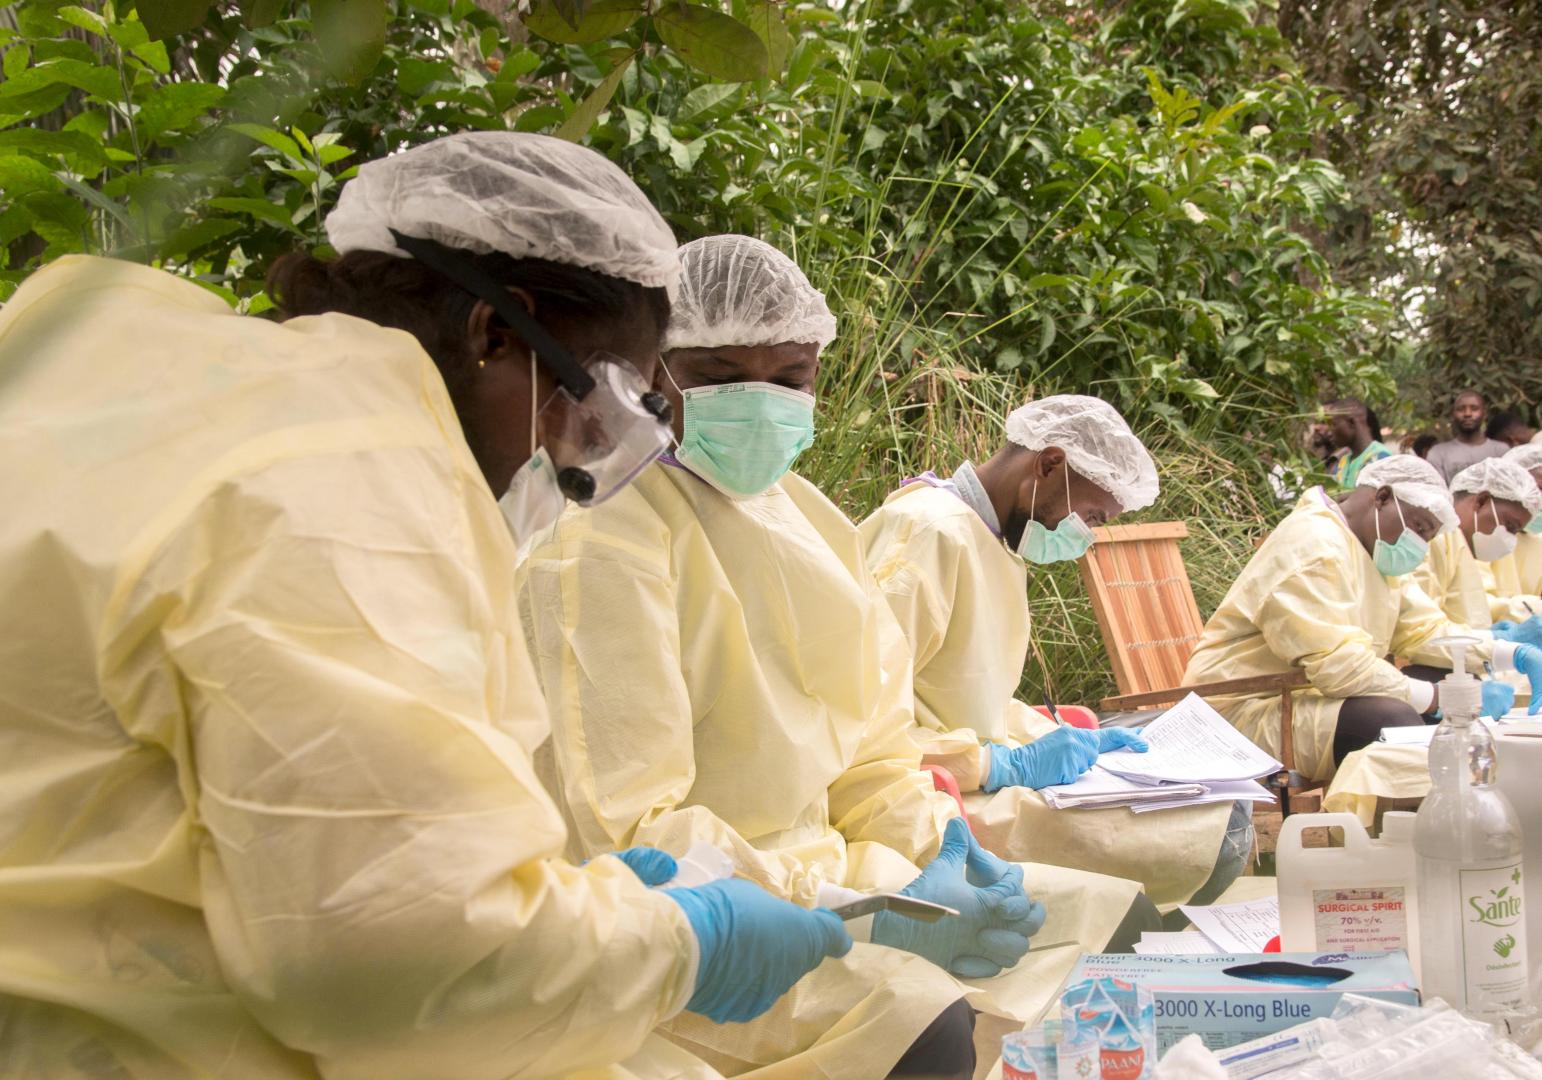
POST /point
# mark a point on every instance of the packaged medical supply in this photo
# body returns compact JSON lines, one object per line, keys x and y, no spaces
{"x":1229,"y":1000}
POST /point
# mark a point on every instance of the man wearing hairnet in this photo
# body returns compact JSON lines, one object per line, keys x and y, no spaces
{"x":1328,"y":593}
{"x":1495,"y":500}
{"x":952,"y":558}
{"x":267,"y":805}
{"x":722,"y":669}
{"x":1514,"y":581}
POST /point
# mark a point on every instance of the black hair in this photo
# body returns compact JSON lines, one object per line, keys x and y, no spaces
{"x":1501,"y":422}
{"x":402,"y":293}
{"x":1423,"y":442}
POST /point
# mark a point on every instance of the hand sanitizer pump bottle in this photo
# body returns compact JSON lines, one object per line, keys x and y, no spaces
{"x":1467,"y":845}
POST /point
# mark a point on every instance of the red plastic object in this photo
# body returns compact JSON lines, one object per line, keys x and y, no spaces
{"x":1075,"y":715}
{"x":1273,"y":946}
{"x":943,"y":781}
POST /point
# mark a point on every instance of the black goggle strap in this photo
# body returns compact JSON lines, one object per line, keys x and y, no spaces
{"x":552,"y":356}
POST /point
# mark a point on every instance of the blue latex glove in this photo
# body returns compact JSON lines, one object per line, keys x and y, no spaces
{"x":1057,"y":758}
{"x":1528,"y":661}
{"x":1497,"y":698}
{"x":995,"y":918}
{"x":652,"y":866}
{"x":754,"y":946}
{"x":1526,"y":633}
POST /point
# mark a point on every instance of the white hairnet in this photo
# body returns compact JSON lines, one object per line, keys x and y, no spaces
{"x":1502,"y":479}
{"x":1413,"y":481}
{"x":736,"y":290}
{"x":1097,"y":442}
{"x":529,"y":196}
{"x":1528,"y":456}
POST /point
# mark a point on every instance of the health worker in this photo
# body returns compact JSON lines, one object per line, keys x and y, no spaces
{"x":1514,"y":581}
{"x":267,"y":806}
{"x":952,"y":557}
{"x":722,"y":670}
{"x":1495,"y":500}
{"x":1327,"y":593}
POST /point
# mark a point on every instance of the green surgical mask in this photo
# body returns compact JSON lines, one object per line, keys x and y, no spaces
{"x":1534,"y":526}
{"x":1066,"y":542}
{"x":743,"y":437}
{"x":1403,"y":557}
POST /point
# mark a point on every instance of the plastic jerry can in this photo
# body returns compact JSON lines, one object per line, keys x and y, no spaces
{"x":1357,"y":898}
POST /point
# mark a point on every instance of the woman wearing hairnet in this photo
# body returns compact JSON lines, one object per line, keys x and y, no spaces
{"x":952,"y":557}
{"x":1514,"y":581}
{"x":721,"y":669}
{"x":1328,"y":593}
{"x":267,"y":807}
{"x":1495,"y":500}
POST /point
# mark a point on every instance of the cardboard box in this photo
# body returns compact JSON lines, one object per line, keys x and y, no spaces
{"x":1228,"y":1000}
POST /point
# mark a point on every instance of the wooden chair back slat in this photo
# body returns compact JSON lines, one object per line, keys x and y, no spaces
{"x":1143,"y":603}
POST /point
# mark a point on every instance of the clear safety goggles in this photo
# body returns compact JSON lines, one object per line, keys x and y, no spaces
{"x":599,"y":442}
{"x":604,"y":424}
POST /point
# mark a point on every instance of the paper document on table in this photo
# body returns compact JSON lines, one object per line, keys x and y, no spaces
{"x":1099,"y":787}
{"x":1521,"y":716}
{"x":1182,"y":944}
{"x":1238,"y":928}
{"x":1228,"y":791}
{"x":1408,"y":735}
{"x":1191,"y":743}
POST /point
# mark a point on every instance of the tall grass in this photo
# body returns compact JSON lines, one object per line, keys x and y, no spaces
{"x":896,"y":398}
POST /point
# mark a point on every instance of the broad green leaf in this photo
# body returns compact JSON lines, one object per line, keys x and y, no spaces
{"x":765,"y":18}
{"x":1047,"y":281}
{"x":539,"y":117}
{"x":261,"y":209}
{"x":168,"y":18}
{"x":154,"y":54}
{"x":197,"y":235}
{"x":711,"y":42}
{"x":80,"y":151}
{"x":577,"y":125}
{"x":21,"y":175}
{"x":86,"y":20}
{"x":17,"y":57}
{"x":352,"y":35}
{"x":1046,"y":333}
{"x":98,"y":80}
{"x":268,"y":137}
{"x":176,"y":105}
{"x":705,"y":99}
{"x":600,"y":20}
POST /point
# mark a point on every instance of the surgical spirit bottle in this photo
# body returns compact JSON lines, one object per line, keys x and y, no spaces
{"x":1467,"y":845}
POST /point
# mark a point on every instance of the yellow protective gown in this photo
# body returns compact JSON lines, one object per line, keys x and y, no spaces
{"x":1453,"y":578}
{"x":724,"y":671}
{"x":267,"y":807}
{"x":1311,"y":597}
{"x":961,"y":597}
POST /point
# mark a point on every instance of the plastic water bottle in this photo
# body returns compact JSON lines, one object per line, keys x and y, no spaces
{"x":1467,"y":843}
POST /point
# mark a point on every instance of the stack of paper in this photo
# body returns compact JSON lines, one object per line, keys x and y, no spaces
{"x":1223,"y":928}
{"x":1196,"y":757}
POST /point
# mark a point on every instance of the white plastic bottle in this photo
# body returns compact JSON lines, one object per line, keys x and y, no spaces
{"x":1467,"y":841}
{"x":1357,"y":898}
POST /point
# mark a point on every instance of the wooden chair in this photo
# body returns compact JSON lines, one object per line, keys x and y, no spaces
{"x":1145,"y":607}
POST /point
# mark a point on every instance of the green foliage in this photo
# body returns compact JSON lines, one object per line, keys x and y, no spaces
{"x":1444,"y":213}
{"x":998,"y":204}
